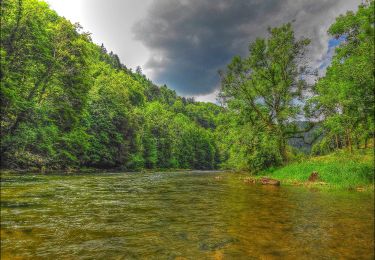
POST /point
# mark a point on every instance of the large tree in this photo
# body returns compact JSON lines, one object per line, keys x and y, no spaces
{"x":345,"y":95}
{"x":265,"y":86}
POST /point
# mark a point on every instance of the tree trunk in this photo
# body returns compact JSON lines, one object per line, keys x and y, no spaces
{"x":337,"y":141}
{"x":282,"y":149}
{"x":358,"y":144}
{"x":349,"y":140}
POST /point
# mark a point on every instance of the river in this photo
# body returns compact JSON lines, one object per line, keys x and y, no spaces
{"x":191,"y":215}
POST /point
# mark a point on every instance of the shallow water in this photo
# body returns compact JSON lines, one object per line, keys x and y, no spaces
{"x":179,"y":215}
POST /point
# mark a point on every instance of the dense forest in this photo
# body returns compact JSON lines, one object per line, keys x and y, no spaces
{"x":67,"y":103}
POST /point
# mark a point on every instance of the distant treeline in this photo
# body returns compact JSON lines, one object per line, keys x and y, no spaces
{"x":68,"y":103}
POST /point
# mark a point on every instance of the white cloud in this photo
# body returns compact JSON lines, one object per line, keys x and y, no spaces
{"x":212,"y":97}
{"x":110,"y":22}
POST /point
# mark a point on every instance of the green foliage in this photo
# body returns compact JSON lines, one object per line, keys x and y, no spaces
{"x":243,"y":147}
{"x":44,"y":85}
{"x":264,"y":94}
{"x":68,"y":103}
{"x":172,"y":140}
{"x":261,"y":90}
{"x":345,"y":95}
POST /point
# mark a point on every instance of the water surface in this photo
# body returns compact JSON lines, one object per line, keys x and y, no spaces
{"x":195,"y":215}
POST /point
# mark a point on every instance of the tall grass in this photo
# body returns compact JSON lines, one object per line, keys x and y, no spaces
{"x":339,"y":170}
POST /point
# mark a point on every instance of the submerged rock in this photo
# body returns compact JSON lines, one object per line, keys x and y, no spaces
{"x":214,"y":245}
{"x":249,"y":180}
{"x":269,"y":181}
{"x":262,"y":180}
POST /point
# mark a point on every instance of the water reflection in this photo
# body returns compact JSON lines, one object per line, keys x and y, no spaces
{"x":179,"y":215}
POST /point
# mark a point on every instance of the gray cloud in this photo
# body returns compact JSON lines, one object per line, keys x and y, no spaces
{"x":190,"y":40}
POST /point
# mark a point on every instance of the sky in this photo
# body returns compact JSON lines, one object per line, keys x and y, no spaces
{"x":183,"y":43}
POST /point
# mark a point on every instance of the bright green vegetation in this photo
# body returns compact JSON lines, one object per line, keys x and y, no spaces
{"x":266,"y":92}
{"x":341,"y":170}
{"x":188,"y":215}
{"x":70,"y":104}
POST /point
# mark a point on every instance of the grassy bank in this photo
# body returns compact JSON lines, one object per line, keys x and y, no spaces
{"x":342,"y":170}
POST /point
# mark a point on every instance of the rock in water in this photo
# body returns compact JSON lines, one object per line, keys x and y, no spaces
{"x":249,"y":180}
{"x":314,"y":176}
{"x":269,"y":181}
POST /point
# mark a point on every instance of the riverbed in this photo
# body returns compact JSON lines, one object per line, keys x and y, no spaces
{"x":183,"y":215}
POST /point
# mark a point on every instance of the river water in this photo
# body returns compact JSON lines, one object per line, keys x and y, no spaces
{"x":192,"y":215}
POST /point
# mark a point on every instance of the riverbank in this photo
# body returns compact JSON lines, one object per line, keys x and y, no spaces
{"x":339,"y":170}
{"x":98,"y":170}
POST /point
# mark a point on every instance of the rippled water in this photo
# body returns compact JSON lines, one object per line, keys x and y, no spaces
{"x":179,"y":216}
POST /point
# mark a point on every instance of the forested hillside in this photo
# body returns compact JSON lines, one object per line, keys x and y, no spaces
{"x":68,"y":103}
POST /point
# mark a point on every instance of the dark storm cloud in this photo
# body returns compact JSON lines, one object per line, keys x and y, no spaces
{"x":190,"y":40}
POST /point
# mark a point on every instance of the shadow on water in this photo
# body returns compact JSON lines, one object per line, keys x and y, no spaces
{"x":170,"y":215}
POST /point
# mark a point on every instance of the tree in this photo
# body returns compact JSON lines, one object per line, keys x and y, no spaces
{"x":344,"y":97}
{"x":110,"y":118}
{"x":44,"y":85}
{"x":265,"y":86}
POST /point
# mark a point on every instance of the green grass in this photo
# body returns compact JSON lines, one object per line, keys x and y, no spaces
{"x":342,"y":170}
